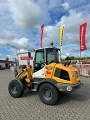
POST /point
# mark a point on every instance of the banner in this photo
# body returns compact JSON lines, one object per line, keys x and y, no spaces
{"x":41,"y":36}
{"x":25,"y":58}
{"x":61,"y":31}
{"x":82,"y":37}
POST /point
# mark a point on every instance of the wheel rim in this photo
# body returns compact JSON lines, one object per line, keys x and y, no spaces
{"x":14,"y":89}
{"x":47,"y":94}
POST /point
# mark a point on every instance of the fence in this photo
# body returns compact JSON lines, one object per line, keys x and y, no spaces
{"x":84,"y":69}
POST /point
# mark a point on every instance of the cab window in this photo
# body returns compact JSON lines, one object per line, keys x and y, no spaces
{"x":39,"y":60}
{"x":52,"y":55}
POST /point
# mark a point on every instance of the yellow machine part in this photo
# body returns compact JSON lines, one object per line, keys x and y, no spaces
{"x":51,"y":68}
{"x":27,"y":73}
{"x":49,"y":73}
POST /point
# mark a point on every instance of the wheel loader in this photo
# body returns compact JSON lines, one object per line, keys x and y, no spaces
{"x":47,"y":76}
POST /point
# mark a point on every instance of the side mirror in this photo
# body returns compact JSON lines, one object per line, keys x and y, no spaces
{"x":29,"y":54}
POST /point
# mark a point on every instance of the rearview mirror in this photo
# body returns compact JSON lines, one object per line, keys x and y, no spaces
{"x":29,"y":54}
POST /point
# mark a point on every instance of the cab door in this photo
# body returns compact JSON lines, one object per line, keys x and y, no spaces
{"x":39,"y":63}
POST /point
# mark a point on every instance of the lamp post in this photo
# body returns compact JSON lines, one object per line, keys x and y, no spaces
{"x":13,"y":47}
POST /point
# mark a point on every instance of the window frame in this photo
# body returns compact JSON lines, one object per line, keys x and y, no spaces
{"x":36,"y":51}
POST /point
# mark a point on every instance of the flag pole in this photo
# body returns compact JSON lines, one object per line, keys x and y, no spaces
{"x":80,"y":56}
{"x":60,"y":44}
{"x":83,"y":47}
{"x":79,"y":44}
{"x":80,"y":51}
{"x":60,"y":54}
{"x":80,"y":63}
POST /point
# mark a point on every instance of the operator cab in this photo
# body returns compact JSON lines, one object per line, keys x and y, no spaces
{"x":45,"y":56}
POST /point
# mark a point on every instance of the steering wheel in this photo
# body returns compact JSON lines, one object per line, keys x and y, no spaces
{"x":37,"y":64}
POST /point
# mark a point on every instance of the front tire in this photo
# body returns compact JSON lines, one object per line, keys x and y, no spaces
{"x":15,"y":89}
{"x":48,"y":94}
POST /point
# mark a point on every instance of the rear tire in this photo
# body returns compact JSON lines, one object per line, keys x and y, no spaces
{"x":15,"y":89}
{"x":48,"y":94}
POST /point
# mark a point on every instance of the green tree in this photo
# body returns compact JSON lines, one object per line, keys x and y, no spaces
{"x":7,"y":59}
{"x":68,"y":58}
{"x":72,"y":58}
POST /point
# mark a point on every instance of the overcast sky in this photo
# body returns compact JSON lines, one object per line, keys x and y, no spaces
{"x":20,"y":22}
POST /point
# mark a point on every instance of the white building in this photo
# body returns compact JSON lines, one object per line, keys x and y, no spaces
{"x":2,"y":64}
{"x":6,"y":64}
{"x":24,"y":60}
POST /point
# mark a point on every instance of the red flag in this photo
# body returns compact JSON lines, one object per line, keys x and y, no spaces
{"x":82,"y":37}
{"x":42,"y":28}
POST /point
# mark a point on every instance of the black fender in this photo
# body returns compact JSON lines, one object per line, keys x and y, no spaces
{"x":47,"y":80}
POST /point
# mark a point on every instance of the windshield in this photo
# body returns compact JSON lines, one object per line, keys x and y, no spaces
{"x":52,"y":55}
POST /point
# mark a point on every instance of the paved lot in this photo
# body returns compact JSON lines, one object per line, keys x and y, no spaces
{"x":75,"y":106}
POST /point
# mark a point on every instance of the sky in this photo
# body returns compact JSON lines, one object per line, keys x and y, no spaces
{"x":20,"y":22}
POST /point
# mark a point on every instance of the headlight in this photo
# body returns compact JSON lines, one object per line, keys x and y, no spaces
{"x":73,"y":75}
{"x":69,"y":88}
